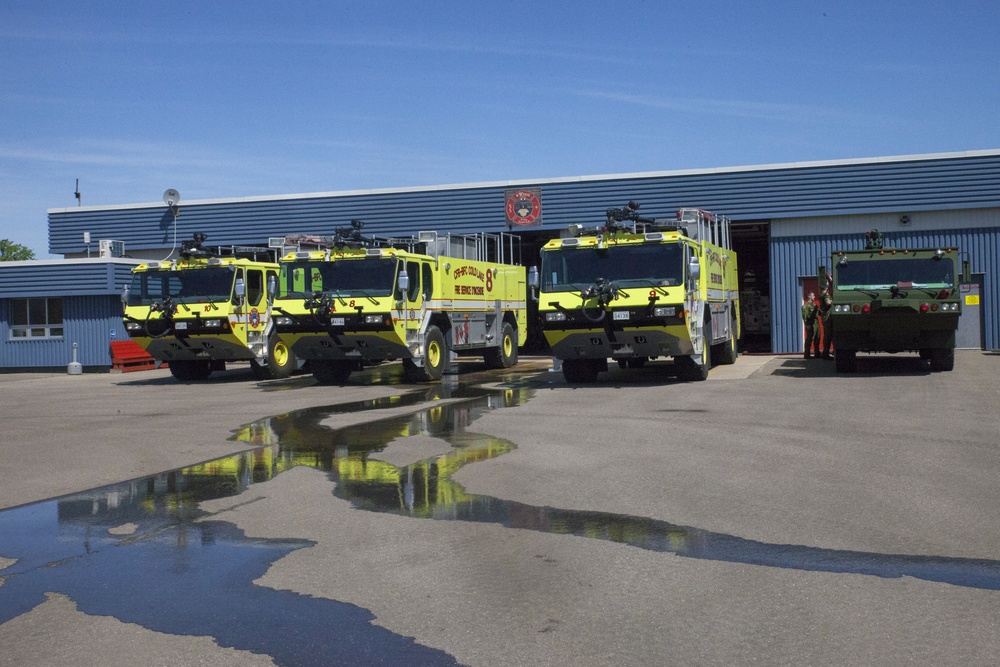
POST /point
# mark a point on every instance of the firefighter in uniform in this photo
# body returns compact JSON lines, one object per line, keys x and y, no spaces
{"x":810,"y":313}
{"x":825,"y":306}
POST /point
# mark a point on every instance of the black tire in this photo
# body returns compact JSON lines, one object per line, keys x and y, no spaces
{"x":435,"y":354}
{"x":726,"y":353}
{"x":580,"y":371}
{"x":331,"y":372}
{"x":505,"y":354}
{"x":943,"y":359}
{"x":281,"y":360}
{"x":695,"y":368}
{"x":190,"y":370}
{"x":846,"y":361}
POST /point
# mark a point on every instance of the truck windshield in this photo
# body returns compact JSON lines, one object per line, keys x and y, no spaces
{"x":883,"y":274}
{"x":184,"y":286}
{"x":342,"y":277}
{"x":572,"y":269}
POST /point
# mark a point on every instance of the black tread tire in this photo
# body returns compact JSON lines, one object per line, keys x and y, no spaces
{"x":328,"y":371}
{"x":505,"y":354}
{"x":691,"y":369}
{"x":190,"y":370}
{"x":281,"y":360}
{"x":580,"y":371}
{"x":727,"y":352}
{"x":435,"y":353}
{"x":846,"y":361}
{"x":943,"y":359}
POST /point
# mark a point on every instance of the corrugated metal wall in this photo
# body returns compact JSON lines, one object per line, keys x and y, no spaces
{"x":794,"y":257}
{"x":63,"y":277}
{"x":90,"y":321}
{"x":920,"y":183}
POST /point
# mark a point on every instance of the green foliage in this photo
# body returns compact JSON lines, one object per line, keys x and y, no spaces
{"x":14,"y":252}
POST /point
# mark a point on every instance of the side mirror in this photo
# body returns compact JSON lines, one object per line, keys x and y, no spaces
{"x":694,"y":269}
{"x":403,"y":282}
{"x":966,"y":272}
{"x":272,"y":288}
{"x":240,"y":291}
{"x":126,"y":291}
{"x":533,"y":282}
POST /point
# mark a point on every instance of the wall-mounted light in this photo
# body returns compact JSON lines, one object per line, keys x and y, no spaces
{"x":904,"y":219}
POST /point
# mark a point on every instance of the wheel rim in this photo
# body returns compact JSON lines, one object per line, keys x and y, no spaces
{"x":433,"y":354}
{"x":280,"y":354}
{"x":508,"y":345}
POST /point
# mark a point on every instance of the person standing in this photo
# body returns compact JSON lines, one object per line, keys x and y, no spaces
{"x":810,"y":313}
{"x":825,"y":306}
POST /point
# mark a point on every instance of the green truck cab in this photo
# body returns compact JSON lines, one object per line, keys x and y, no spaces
{"x":894,"y":300}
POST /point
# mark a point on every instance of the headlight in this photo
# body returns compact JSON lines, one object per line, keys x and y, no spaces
{"x":664,"y":311}
{"x":213,"y":324}
{"x":373,"y":319}
{"x":133,"y":326}
{"x":557,"y":316}
{"x":283,"y":321}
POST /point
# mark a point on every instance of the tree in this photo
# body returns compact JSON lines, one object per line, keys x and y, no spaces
{"x":14,"y":252}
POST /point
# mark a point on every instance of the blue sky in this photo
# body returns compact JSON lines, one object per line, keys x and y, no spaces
{"x":237,"y":99}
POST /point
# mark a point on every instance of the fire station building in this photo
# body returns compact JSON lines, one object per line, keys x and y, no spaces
{"x":786,"y":219}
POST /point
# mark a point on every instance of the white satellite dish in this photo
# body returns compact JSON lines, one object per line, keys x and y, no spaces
{"x":171,"y":197}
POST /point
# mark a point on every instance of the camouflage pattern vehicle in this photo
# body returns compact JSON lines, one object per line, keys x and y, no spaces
{"x":894,"y":300}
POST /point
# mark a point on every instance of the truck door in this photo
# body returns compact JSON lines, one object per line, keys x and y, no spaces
{"x":413,"y":297}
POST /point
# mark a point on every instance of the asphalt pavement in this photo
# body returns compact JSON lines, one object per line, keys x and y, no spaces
{"x":778,"y":513}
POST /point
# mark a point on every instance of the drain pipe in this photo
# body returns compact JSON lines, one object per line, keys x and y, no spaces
{"x":74,"y":367}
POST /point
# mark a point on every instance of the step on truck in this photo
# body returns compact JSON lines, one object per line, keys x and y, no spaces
{"x":639,"y":288}
{"x":206,"y":308}
{"x":894,"y":300}
{"x":352,"y":301}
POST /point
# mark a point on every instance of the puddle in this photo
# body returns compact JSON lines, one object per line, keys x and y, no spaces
{"x":143,"y":551}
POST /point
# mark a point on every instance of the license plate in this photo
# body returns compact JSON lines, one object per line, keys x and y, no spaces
{"x":337,"y":321}
{"x":621,"y":315}
{"x":180,"y":326}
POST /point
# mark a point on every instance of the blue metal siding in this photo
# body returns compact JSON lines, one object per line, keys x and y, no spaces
{"x":90,"y":321}
{"x":929,"y":183}
{"x":795,"y":257}
{"x":57,"y":278}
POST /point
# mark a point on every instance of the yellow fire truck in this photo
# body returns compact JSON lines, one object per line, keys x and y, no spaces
{"x":637,"y":289}
{"x":203,"y":309}
{"x":354,"y":301}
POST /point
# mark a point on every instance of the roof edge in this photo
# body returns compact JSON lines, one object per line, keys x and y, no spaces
{"x":567,"y":179}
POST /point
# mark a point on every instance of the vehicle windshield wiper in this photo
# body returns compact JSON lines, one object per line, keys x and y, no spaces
{"x":366,"y":295}
{"x":870,"y":291}
{"x":652,"y":283}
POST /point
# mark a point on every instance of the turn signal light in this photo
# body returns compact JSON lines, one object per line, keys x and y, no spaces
{"x":924,"y":308}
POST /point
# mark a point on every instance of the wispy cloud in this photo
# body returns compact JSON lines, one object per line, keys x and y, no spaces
{"x":732,"y":108}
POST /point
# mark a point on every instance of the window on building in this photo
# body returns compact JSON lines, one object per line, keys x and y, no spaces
{"x":36,"y":318}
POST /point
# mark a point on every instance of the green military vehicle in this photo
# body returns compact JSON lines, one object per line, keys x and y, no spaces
{"x":894,"y":300}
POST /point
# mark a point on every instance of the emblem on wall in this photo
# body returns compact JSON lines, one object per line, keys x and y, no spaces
{"x":524,"y":207}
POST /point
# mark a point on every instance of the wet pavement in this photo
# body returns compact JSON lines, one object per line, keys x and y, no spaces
{"x":148,"y":552}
